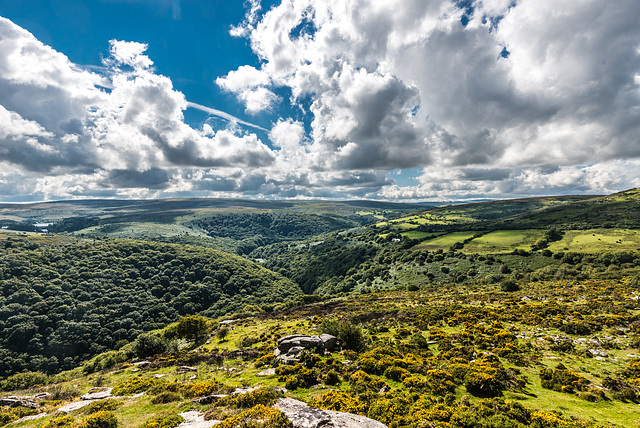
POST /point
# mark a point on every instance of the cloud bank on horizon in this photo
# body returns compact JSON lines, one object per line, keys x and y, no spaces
{"x":493,"y":98}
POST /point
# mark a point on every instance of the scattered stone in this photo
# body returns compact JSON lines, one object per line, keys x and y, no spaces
{"x":208,"y":399}
{"x":384,"y":389}
{"x":299,"y":340}
{"x":68,"y":408}
{"x":227,"y":322}
{"x":18,"y":402}
{"x":329,"y":342}
{"x":598,"y":352}
{"x":41,"y":396}
{"x":194,"y":419}
{"x":159,"y":375}
{"x":139,"y":394}
{"x":303,"y":416}
{"x":97,"y":394}
{"x":244,"y":353}
{"x":32,"y":417}
{"x":142,"y":363}
{"x":267,"y":372}
{"x":186,"y":369}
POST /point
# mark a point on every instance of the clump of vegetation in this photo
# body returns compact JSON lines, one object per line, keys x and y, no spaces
{"x":23,"y":381}
{"x":165,"y":397}
{"x":165,"y":420}
{"x":100,"y":419}
{"x":349,"y":335}
{"x":134,"y":385}
{"x":102,"y":405}
{"x":60,"y":422}
{"x":562,"y":379}
{"x":259,"y":416}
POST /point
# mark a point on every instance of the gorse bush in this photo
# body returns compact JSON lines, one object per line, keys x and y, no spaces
{"x":258,"y":417}
{"x":562,"y":379}
{"x":134,"y":385}
{"x":264,"y":396}
{"x":101,"y":419}
{"x":60,"y":422}
{"x":102,"y":405}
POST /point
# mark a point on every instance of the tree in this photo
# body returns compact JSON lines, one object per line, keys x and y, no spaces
{"x":192,"y":327}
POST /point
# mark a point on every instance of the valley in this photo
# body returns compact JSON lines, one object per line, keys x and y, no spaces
{"x":507,"y":313}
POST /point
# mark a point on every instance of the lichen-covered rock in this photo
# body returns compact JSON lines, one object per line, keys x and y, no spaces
{"x":304,"y":416}
{"x":324,"y":341}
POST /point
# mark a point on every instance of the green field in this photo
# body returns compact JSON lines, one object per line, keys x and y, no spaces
{"x":597,"y":240}
{"x":415,"y":234}
{"x":503,"y":241}
{"x":444,"y":242}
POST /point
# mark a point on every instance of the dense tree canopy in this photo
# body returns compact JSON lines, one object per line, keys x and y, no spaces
{"x":60,"y":304}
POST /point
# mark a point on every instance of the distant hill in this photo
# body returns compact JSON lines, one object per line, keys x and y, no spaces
{"x":233,"y":225}
{"x":619,"y":210}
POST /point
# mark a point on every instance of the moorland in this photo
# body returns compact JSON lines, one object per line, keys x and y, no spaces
{"x":495,"y":314}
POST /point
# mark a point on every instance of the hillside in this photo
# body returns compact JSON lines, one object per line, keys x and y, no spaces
{"x":232,"y":225}
{"x":553,"y":354}
{"x":508,"y":313}
{"x":66,"y":300}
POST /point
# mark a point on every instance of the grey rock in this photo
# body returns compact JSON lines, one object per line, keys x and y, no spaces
{"x":68,"y":408}
{"x":303,"y":416}
{"x":97,"y":394}
{"x":186,"y":369}
{"x":18,"y":402}
{"x":31,"y":417}
{"x":194,"y":419}
{"x":328,"y":341}
{"x":267,"y":372}
{"x":208,"y":399}
{"x":300,"y":340}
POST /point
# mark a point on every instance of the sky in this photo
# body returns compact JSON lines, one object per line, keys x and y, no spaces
{"x":402,"y":100}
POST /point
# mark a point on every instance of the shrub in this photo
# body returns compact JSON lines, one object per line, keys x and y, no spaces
{"x":362,"y":382}
{"x":148,"y":345}
{"x":332,"y":377}
{"x":200,"y":389}
{"x":340,"y":402}
{"x":264,"y":396}
{"x":396,"y":373}
{"x":165,"y":397}
{"x":60,"y":422}
{"x":349,"y":335}
{"x":440,"y":382}
{"x":562,"y":379}
{"x":6,"y":417}
{"x":509,"y":285}
{"x":24,"y":380}
{"x":167,"y":420}
{"x":102,"y":405}
{"x":134,"y":385}
{"x":101,"y":419}
{"x":258,"y":417}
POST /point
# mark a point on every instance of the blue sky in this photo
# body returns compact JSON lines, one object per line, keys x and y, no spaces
{"x":396,"y":100}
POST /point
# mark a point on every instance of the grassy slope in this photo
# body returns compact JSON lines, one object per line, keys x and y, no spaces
{"x":398,"y":311}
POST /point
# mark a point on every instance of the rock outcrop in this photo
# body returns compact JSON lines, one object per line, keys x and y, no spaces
{"x":290,"y":346}
{"x":304,"y":416}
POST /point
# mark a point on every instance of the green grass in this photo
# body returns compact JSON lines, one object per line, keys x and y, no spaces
{"x":444,"y":242}
{"x":598,"y":240}
{"x":503,"y":241}
{"x":415,"y":234}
